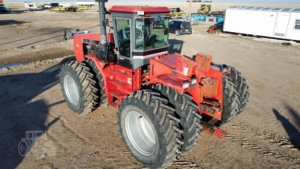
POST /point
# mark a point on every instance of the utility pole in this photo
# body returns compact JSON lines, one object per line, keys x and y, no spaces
{"x":260,"y":2}
{"x":190,"y":9}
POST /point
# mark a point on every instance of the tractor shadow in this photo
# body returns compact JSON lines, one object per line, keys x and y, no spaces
{"x":291,"y":130}
{"x":10,"y":22}
{"x":175,"y":46}
{"x":24,"y":115}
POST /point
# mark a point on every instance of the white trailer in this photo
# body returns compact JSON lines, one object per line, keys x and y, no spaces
{"x":283,"y":23}
{"x":85,"y":2}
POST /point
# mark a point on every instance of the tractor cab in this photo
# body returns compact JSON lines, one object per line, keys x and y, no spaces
{"x":140,"y":32}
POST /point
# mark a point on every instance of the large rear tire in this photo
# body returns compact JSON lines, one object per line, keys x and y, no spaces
{"x":149,"y":129}
{"x":242,"y":88}
{"x":187,"y":111}
{"x":78,"y":87}
{"x":102,"y":100}
{"x":230,"y":100}
{"x":235,"y":93}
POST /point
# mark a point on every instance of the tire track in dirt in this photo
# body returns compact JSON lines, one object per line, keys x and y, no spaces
{"x":37,"y":56}
{"x":91,"y":149}
{"x":183,"y":162}
{"x":264,"y":143}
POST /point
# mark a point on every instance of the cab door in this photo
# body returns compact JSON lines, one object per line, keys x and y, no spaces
{"x":123,"y":39}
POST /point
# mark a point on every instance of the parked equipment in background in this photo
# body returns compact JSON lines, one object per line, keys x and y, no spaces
{"x":176,"y":12}
{"x":180,"y":27}
{"x":30,"y":6}
{"x":204,"y":9}
{"x":67,"y":7}
{"x":194,"y":21}
{"x":69,"y":34}
{"x":283,"y":23}
{"x":54,"y":5}
{"x":46,"y":6}
{"x":164,"y":100}
{"x":216,"y":28}
{"x":4,"y":10}
{"x":85,"y":2}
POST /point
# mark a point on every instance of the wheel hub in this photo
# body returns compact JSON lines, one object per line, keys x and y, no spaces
{"x":71,"y":90}
{"x":140,"y":133}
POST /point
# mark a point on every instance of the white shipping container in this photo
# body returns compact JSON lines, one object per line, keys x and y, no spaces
{"x":281,"y":23}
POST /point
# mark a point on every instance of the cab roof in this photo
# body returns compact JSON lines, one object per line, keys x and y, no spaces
{"x":135,"y":9}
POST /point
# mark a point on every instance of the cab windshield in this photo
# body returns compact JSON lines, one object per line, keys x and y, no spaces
{"x":151,"y":33}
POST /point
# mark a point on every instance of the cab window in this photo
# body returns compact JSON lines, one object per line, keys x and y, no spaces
{"x":123,"y":34}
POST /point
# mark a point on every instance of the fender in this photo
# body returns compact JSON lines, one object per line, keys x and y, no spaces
{"x":172,"y":81}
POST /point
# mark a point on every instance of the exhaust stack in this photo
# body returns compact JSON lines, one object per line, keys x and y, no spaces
{"x":101,"y":4}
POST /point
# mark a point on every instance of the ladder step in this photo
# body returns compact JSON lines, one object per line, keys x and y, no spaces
{"x":118,"y":83}
{"x":117,"y":93}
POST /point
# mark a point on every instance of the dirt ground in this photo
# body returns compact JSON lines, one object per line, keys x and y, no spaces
{"x":266,"y":135}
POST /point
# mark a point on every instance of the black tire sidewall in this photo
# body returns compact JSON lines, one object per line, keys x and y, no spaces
{"x":143,"y":109}
{"x":69,"y":71}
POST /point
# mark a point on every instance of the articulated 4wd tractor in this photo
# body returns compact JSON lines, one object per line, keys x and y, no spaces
{"x":164,"y":99}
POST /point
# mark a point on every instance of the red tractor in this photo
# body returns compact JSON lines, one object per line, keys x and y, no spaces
{"x":164,"y":99}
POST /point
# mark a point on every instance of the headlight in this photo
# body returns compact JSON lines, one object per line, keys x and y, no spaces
{"x":193,"y":81}
{"x":185,"y":85}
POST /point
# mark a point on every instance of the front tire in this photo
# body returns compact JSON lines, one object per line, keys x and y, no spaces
{"x":149,"y":129}
{"x":78,"y":87}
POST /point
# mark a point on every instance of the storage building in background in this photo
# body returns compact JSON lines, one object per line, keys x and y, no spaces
{"x":281,"y":23}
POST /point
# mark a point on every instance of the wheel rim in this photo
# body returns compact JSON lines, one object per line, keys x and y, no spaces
{"x":71,"y":89}
{"x":140,"y":133}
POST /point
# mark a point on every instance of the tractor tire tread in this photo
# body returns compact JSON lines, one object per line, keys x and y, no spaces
{"x":184,"y":110}
{"x":163,"y":118}
{"x":242,"y":88}
{"x":230,"y":100}
{"x":85,"y":83}
{"x":102,"y":100}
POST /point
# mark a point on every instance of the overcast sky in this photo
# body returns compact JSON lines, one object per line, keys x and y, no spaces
{"x":232,"y":1}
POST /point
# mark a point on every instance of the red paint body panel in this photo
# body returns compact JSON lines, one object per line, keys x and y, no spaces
{"x":118,"y":81}
{"x":171,"y":70}
{"x":78,"y":44}
{"x":174,"y":69}
{"x":135,"y":9}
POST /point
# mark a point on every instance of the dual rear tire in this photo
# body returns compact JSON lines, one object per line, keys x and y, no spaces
{"x":150,"y":129}
{"x":78,"y":86}
{"x":186,"y":111}
{"x":235,"y":94}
